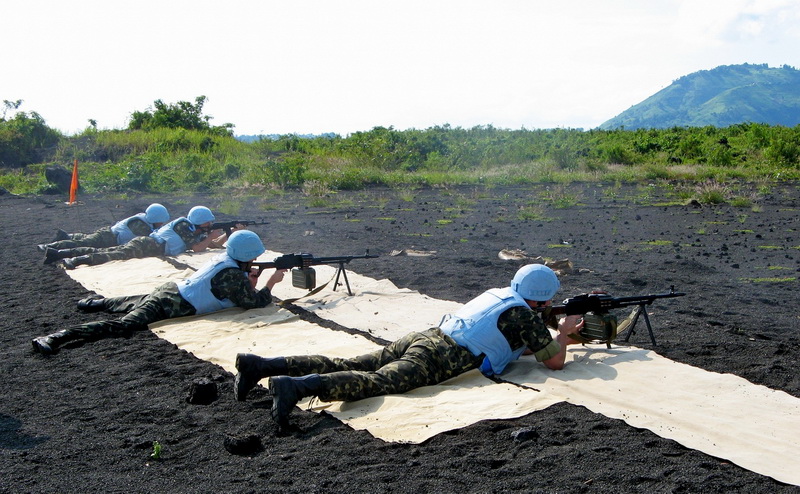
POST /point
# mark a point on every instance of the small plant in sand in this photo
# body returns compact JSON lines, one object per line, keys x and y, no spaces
{"x":464,"y":202}
{"x":560,"y":197}
{"x":741,"y":202}
{"x":407,"y":195}
{"x":156,"y":454}
{"x":531,"y":213}
{"x":318,"y":193}
{"x":711,"y":192}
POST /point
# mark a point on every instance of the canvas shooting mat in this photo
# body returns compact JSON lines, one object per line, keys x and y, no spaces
{"x":719,"y":414}
{"x":380,"y":308}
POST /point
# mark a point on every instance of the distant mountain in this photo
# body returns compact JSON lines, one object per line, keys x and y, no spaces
{"x":723,"y":96}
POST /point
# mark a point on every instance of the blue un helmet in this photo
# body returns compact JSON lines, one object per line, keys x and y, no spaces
{"x":199,"y":215}
{"x":535,"y":282}
{"x":156,"y":213}
{"x":244,"y":246}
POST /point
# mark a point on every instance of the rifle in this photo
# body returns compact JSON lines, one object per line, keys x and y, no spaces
{"x":228,"y":226}
{"x":599,"y":325}
{"x":303,"y":275}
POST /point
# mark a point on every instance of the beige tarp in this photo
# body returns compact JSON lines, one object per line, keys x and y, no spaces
{"x":719,"y":414}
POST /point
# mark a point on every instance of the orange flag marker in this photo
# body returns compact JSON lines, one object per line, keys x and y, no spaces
{"x":73,"y":187}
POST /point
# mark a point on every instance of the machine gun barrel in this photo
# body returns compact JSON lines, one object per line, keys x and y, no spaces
{"x":304,"y":260}
{"x":228,"y":226}
{"x":602,"y":302}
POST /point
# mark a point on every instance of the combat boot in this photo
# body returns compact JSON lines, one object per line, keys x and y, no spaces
{"x":95,"y":303}
{"x":252,"y":369}
{"x":52,"y":255}
{"x":287,"y":391}
{"x":48,"y":345}
{"x":61,"y":235}
{"x":74,"y":262}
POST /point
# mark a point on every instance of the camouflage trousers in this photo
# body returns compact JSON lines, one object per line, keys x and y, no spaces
{"x":165,"y":302}
{"x":137,"y":248}
{"x":102,"y":238}
{"x":413,"y":361}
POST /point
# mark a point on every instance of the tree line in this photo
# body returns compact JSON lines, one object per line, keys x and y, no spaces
{"x":173,"y":147}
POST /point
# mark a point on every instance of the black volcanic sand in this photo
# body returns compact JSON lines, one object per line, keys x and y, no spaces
{"x":86,"y":418}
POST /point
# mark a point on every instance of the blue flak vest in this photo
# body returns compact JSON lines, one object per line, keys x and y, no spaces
{"x":174,"y":243}
{"x":474,"y":327}
{"x":123,"y":231}
{"x":196,"y":289}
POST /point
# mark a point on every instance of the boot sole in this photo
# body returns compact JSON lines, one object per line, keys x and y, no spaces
{"x":240,"y":394}
{"x":42,"y":349}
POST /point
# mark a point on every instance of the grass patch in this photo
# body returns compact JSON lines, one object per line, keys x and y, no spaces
{"x":532,"y":213}
{"x":769,"y":280}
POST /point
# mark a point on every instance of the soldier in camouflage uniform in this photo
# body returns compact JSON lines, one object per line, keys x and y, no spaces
{"x":220,"y":284}
{"x":186,"y":233}
{"x":487,"y":333}
{"x":123,"y":231}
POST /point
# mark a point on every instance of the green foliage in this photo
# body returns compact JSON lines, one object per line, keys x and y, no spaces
{"x":287,"y":171}
{"x":23,"y":137}
{"x":784,"y":149}
{"x":180,"y":115}
{"x":23,"y":182}
{"x":169,"y":159}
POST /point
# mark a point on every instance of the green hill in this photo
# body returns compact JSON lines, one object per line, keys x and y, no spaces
{"x":724,"y":96}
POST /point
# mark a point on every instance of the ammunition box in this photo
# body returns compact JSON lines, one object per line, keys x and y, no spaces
{"x":305,"y":278}
{"x":599,"y":327}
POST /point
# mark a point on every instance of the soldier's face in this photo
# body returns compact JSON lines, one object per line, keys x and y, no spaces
{"x":536,"y":304}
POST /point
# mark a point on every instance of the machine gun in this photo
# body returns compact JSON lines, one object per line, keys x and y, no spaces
{"x":303,"y":275}
{"x":228,"y":226}
{"x":599,"y":325}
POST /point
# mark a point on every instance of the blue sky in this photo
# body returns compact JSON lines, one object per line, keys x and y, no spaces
{"x":278,"y":67}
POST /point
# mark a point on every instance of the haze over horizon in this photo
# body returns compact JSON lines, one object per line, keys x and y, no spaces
{"x":278,"y":67}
